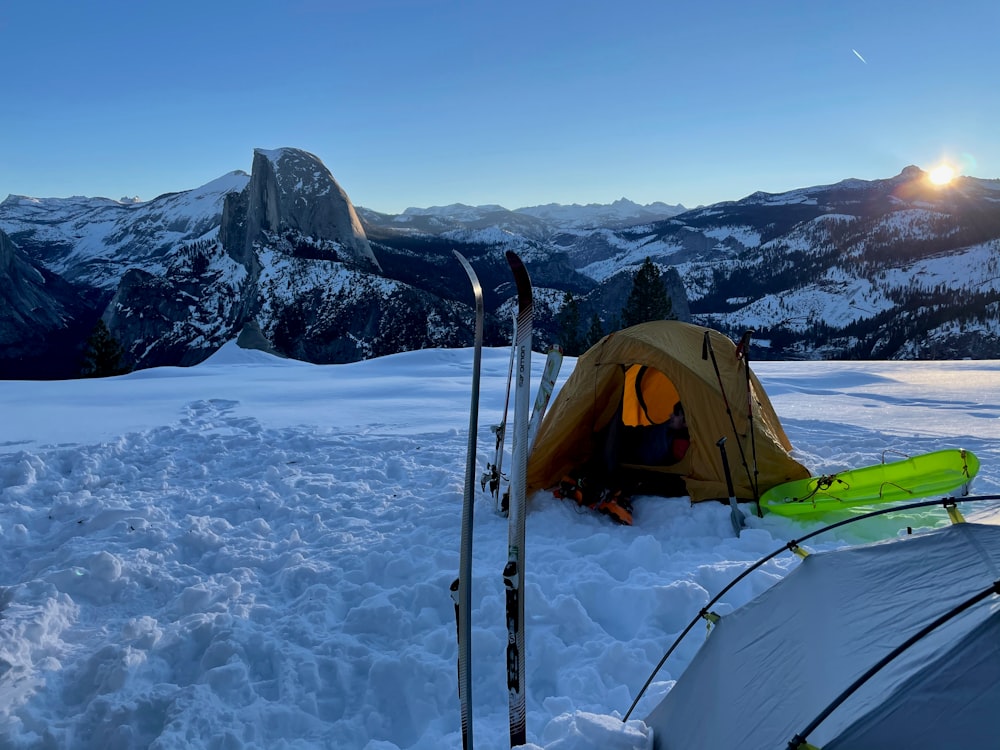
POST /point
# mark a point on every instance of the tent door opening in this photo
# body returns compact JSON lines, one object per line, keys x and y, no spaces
{"x":652,"y":430}
{"x":645,"y":442}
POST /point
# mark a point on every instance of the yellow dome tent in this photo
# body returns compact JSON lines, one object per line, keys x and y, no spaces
{"x":636,"y":376}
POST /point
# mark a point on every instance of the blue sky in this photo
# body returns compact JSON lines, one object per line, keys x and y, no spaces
{"x":430,"y":102}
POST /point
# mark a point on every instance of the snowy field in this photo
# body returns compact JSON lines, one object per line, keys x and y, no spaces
{"x":256,"y":553}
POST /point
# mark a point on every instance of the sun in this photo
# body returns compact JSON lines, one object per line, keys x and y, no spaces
{"x":942,"y":174}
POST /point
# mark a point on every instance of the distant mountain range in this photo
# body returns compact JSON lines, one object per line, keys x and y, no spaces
{"x":532,"y":220}
{"x":892,"y":268}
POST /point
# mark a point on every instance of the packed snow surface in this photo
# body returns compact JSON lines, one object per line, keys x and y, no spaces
{"x":256,"y":553}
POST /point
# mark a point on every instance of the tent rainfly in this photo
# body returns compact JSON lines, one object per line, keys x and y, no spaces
{"x":635,"y":377}
{"x":778,"y":672}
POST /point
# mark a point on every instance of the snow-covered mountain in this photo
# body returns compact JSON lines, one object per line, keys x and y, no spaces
{"x":37,"y":313}
{"x":537,"y":222}
{"x":893,"y":268}
{"x":887,"y":268}
{"x":281,"y":250}
{"x":884,"y":268}
{"x":93,"y":241}
{"x":621,"y":213}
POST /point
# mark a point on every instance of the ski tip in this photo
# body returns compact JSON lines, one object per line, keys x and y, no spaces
{"x":521,"y":278}
{"x":516,"y":264}
{"x":467,"y":267}
{"x":513,"y":259}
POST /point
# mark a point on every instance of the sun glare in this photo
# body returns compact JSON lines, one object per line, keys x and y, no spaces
{"x":942,"y":174}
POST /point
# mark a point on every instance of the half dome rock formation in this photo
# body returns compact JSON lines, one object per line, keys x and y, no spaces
{"x":293,"y":196}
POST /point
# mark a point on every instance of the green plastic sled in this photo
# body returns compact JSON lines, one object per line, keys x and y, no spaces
{"x":935,"y":473}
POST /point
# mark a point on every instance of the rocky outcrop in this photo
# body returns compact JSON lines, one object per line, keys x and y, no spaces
{"x":40,"y":316}
{"x":6,"y":254}
{"x":292,"y":263}
{"x":183,"y":315}
{"x":292,"y":194}
{"x":25,"y":301}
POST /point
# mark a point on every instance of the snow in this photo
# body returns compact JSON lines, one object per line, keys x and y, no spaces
{"x":631,"y":252}
{"x":231,"y":182}
{"x":256,"y":552}
{"x":842,"y":294}
{"x":273,"y":155}
{"x":495,"y":236}
{"x":746,"y":236}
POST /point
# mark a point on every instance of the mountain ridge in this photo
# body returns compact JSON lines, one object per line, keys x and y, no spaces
{"x":852,"y":269}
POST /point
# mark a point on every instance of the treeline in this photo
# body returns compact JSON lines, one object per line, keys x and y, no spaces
{"x":647,"y":300}
{"x":196,"y":257}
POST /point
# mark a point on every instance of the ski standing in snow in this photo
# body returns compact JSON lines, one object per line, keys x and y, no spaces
{"x":461,"y":588}
{"x":553,"y":363}
{"x":513,"y":572}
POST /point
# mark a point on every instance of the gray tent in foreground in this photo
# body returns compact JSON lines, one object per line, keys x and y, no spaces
{"x":770,"y":668}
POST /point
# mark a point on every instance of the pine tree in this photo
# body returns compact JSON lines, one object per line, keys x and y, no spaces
{"x":290,"y":328}
{"x":568,"y":320}
{"x":648,"y":299}
{"x":595,"y":333}
{"x":103,"y":355}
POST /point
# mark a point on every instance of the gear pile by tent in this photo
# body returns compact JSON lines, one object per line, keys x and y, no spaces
{"x":645,"y":411}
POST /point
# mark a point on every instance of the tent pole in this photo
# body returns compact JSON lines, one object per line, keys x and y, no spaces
{"x":792,"y":546}
{"x":799,"y":740}
{"x":743,"y":349}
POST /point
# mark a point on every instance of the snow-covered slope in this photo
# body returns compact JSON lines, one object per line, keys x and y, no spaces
{"x":93,"y":241}
{"x":256,"y":553}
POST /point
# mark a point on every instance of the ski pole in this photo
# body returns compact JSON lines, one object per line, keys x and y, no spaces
{"x":735,"y":515}
{"x":743,"y":349}
{"x":707,"y":350}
